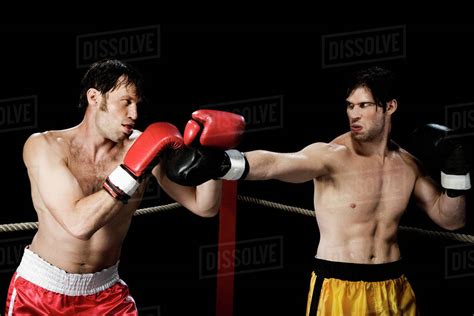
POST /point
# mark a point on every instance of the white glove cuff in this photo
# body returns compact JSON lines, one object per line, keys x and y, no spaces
{"x":237,"y":165}
{"x":124,"y":181}
{"x":455,"y":182}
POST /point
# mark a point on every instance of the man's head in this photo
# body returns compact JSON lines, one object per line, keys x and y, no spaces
{"x":110,"y":92}
{"x":370,"y":102}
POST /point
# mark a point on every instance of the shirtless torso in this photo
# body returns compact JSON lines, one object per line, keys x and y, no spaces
{"x":52,"y":241}
{"x":360,"y":202}
{"x":359,"y":199}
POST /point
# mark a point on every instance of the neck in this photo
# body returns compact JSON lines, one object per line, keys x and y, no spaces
{"x":91,"y":141}
{"x":375,"y":147}
{"x":378,"y":146}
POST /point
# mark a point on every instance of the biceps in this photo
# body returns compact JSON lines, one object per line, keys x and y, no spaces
{"x":57,"y":187}
{"x":295,"y":168}
{"x":426,"y":193}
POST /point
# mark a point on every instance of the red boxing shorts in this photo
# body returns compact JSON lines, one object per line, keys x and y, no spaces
{"x":39,"y":288}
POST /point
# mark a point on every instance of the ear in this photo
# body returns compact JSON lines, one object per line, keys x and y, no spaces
{"x":93,"y":96}
{"x":391,"y":106}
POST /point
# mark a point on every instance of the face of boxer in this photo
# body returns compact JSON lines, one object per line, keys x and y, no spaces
{"x":116,"y":112}
{"x":366,"y":119}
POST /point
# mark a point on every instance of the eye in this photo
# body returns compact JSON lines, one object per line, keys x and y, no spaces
{"x":349,"y":106}
{"x":366,"y":104}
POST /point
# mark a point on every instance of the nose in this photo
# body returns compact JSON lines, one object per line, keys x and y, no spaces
{"x":132,"y":111}
{"x":354,"y":114}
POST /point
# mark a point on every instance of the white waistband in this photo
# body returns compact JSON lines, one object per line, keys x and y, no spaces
{"x":36,"y":270}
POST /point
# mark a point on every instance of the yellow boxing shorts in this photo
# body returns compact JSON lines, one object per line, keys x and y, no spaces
{"x":340,"y":288}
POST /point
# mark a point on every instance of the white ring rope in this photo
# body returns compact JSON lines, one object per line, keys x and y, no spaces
{"x":287,"y":208}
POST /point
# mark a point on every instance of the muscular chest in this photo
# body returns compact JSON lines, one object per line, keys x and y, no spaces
{"x":92,"y":174}
{"x":375,"y":182}
{"x":369,"y":185}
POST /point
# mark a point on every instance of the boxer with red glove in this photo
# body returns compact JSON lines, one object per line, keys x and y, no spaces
{"x":124,"y":180}
{"x":208,"y":134}
{"x":71,"y":265}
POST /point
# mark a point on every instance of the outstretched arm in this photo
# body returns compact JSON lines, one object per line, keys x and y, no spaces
{"x":311,"y":162}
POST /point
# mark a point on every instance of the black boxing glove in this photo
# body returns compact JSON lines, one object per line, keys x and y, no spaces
{"x":192,"y":166}
{"x":432,"y":144}
{"x":455,"y":177}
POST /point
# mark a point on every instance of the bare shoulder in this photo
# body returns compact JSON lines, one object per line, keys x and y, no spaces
{"x":35,"y":144}
{"x":340,"y":145}
{"x":48,"y":145}
{"x":409,"y":160}
{"x":325,"y":148}
{"x":329,"y":154}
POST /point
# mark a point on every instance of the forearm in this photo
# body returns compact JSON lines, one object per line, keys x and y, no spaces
{"x":261,"y":162}
{"x":91,"y":213}
{"x":452,"y":211}
{"x":203,"y":200}
{"x":287,"y":167}
{"x":208,"y":198}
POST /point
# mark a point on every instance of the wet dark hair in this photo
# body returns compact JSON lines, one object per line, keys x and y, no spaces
{"x":381,"y":83}
{"x":105,"y":76}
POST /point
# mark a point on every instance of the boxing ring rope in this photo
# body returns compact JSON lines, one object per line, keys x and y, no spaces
{"x":26,"y":226}
{"x":14,"y":227}
{"x":307,"y":212}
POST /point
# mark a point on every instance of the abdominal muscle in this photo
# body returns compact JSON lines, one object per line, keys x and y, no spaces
{"x":56,"y":246}
{"x":358,"y":210}
{"x":366,"y":243}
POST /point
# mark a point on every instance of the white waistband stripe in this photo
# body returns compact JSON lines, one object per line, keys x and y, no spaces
{"x":36,"y":270}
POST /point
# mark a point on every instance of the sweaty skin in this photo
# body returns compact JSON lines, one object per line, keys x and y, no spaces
{"x":362,"y":185}
{"x":81,"y":227}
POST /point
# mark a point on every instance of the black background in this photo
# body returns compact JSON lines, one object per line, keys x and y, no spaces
{"x":213,"y":64}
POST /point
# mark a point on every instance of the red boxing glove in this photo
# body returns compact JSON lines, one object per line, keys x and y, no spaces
{"x":123,"y":181}
{"x":217,"y":129}
{"x":214,"y":129}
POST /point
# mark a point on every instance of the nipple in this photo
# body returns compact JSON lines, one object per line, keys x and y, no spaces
{"x":353,"y":205}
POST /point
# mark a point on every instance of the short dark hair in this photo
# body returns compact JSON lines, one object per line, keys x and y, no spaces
{"x":380,"y":81}
{"x":104,"y":76}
